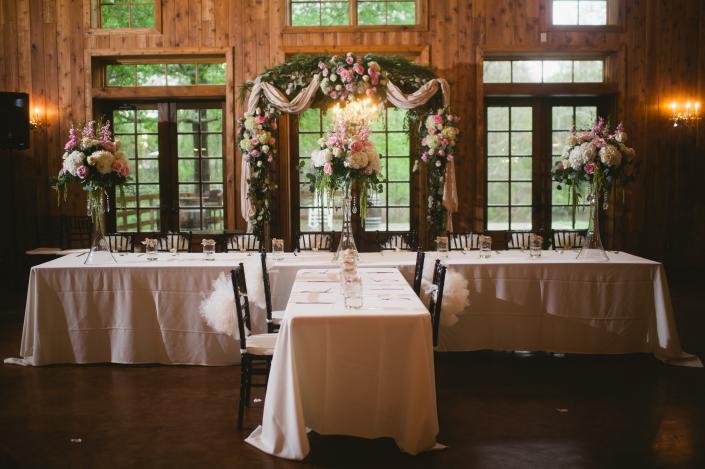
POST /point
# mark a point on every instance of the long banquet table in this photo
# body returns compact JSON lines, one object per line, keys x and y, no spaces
{"x":147,"y":312}
{"x":367,"y":372}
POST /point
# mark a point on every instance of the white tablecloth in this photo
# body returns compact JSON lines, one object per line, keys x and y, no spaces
{"x":366,"y":373}
{"x":136,"y":311}
{"x":147,"y":312}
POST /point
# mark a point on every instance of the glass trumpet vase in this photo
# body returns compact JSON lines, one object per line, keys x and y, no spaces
{"x":592,"y":250}
{"x":100,"y":248}
{"x":347,"y":240}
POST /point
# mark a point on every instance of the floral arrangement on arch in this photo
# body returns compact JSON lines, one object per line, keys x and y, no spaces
{"x":598,"y":156}
{"x":344,"y":77}
{"x":258,"y":145}
{"x":439,"y":136}
{"x":93,"y":161}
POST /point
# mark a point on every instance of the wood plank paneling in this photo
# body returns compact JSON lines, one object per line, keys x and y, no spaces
{"x":660,"y":55}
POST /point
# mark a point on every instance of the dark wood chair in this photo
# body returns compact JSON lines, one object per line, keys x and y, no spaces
{"x":397,"y":240}
{"x":314,"y":241}
{"x":520,"y":239}
{"x":418,"y":271}
{"x":181,"y":241}
{"x":76,"y":232}
{"x":256,"y":351}
{"x":233,"y":241}
{"x":435,"y":303}
{"x":468,"y":241}
{"x":121,"y":242}
{"x":274,"y":318}
{"x":568,"y":239}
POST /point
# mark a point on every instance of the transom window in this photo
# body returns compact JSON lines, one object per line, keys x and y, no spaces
{"x":352,"y":12}
{"x":543,"y":71}
{"x":579,"y":12}
{"x":126,"y":14}
{"x":388,"y":211}
{"x":164,"y":74}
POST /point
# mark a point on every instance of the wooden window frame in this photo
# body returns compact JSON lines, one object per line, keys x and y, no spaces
{"x":420,"y":25}
{"x":92,"y":21}
{"x":615,"y":19}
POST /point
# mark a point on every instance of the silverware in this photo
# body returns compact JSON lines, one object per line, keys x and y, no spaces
{"x":140,"y":255}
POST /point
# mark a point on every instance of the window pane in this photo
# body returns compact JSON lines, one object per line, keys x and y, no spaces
{"x":149,"y":220}
{"x":592,"y":12}
{"x":212,"y":170}
{"x":401,"y":13}
{"x":497,"y":143}
{"x":496,"y":71}
{"x":557,"y":71}
{"x":521,"y":118}
{"x":521,"y":218}
{"x":370,"y":13}
{"x":399,"y":219}
{"x":212,"y":195}
{"x":521,"y":169}
{"x":190,"y":219}
{"x":120,"y":75}
{"x":521,"y":143}
{"x":305,"y":14}
{"x":526,"y":71}
{"x":398,"y":169}
{"x":565,"y":12}
{"x":186,"y":121}
{"x":395,"y":119}
{"x":188,"y":145}
{"x":211,"y":74}
{"x":497,"y":193}
{"x":211,"y":120}
{"x":189,"y":195}
{"x":498,"y":118}
{"x":188,"y":171}
{"x":310,"y":120}
{"x":398,"y":194}
{"x":130,"y":196}
{"x":585,"y":117}
{"x":151,"y":75}
{"x":334,"y":13}
{"x":115,"y":16}
{"x":589,"y":71}
{"x":307,"y":144}
{"x":148,"y":170}
{"x":211,"y":145}
{"x":213,"y":220}
{"x":497,"y":218}
{"x":398,"y":144}
{"x":147,"y":146}
{"x":521,"y":193}
{"x":142,"y":16}
{"x":181,"y":74}
{"x":149,"y":195}
{"x":147,"y":120}
{"x":124,"y":121}
{"x":562,"y":117}
{"x":497,"y":169}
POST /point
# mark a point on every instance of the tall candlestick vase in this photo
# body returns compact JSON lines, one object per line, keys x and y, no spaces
{"x":347,"y":240}
{"x":100,"y":248}
{"x":592,"y":250}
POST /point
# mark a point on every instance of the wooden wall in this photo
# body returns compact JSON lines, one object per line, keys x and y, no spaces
{"x":660,"y":50}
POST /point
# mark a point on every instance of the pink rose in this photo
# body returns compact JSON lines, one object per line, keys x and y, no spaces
{"x":359,"y":69}
{"x":356,"y":145}
{"x":559,"y":166}
{"x":432,"y":130}
{"x":255,"y":141}
{"x":328,"y":168}
{"x":324,"y":72}
{"x":82,"y":172}
{"x":590,"y":168}
{"x":438,"y":119}
{"x":108,"y":146}
{"x":270,"y":158}
{"x":121,"y":167}
{"x":349,"y":60}
{"x":441,"y":152}
{"x":260,"y":119}
{"x":370,"y":91}
{"x":450,"y":157}
{"x":254,"y":153}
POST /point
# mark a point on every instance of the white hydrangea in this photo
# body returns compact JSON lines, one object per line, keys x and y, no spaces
{"x":432,"y":141}
{"x":102,"y":160}
{"x":373,"y":161}
{"x":246,"y":144}
{"x":356,"y":159}
{"x":575,"y":156}
{"x":73,"y":161}
{"x":320,"y":157}
{"x":250,"y":123}
{"x":589,"y":152}
{"x":610,"y":156}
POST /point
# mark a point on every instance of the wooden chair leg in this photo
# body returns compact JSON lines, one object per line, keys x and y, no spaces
{"x":244,"y":372}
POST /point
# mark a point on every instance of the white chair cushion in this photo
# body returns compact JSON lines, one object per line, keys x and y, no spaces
{"x":277,"y":317}
{"x":261,"y":344}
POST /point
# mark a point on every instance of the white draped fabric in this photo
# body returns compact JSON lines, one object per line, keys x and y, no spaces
{"x":366,"y":373}
{"x":303,"y":101}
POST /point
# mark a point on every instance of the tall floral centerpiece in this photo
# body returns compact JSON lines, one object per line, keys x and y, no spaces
{"x":598,"y":157}
{"x":439,"y":136}
{"x":94,"y":161}
{"x":346,"y":158}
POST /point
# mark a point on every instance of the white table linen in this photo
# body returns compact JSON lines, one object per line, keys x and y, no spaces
{"x":135,"y":311}
{"x":147,"y":312}
{"x":366,"y":373}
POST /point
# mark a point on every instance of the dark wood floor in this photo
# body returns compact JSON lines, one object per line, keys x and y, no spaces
{"x":496,"y":410}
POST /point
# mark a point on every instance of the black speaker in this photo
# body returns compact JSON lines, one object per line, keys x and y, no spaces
{"x":14,"y":121}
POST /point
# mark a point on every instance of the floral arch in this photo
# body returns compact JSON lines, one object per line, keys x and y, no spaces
{"x":307,"y":81}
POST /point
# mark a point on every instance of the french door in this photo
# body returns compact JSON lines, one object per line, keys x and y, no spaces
{"x":525,"y":137}
{"x":176,"y":158}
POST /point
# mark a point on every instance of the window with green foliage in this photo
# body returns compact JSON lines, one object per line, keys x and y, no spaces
{"x":543,"y":71}
{"x":165,"y":74}
{"x":509,"y":167}
{"x":563,"y":119}
{"x":579,"y":12}
{"x":343,"y":13}
{"x":388,"y":211}
{"x":126,"y":14}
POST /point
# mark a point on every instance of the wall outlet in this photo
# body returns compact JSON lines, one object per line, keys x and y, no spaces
{"x":544,"y":37}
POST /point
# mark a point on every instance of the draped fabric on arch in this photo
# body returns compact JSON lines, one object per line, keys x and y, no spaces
{"x":303,"y":101}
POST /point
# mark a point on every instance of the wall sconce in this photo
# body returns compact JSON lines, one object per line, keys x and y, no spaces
{"x":35,"y":120}
{"x":686,"y":114}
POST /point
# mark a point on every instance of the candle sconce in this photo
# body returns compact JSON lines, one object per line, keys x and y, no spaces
{"x":685,"y":114}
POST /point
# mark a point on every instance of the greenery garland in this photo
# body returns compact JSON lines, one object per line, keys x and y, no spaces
{"x":293,"y":76}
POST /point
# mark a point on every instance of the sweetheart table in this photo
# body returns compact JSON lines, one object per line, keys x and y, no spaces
{"x":139,"y":311}
{"x":367,"y":372}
